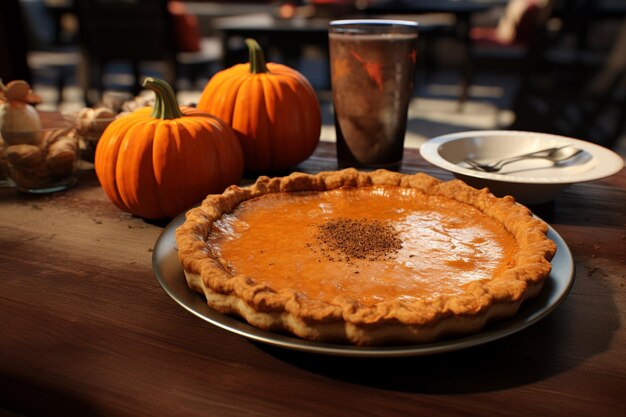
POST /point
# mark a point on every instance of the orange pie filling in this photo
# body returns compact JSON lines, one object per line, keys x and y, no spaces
{"x":367,"y":244}
{"x":364,"y":258}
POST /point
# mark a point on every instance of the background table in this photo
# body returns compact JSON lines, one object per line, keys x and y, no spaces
{"x":86,"y":330}
{"x":288,"y":36}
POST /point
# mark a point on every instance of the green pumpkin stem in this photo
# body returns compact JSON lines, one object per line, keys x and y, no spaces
{"x":257,"y":58}
{"x":165,"y":103}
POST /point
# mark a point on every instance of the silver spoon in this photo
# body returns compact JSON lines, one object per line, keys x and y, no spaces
{"x":556,"y":154}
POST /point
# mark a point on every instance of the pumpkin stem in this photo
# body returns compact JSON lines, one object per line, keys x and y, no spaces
{"x":165,"y":103}
{"x":257,"y":58}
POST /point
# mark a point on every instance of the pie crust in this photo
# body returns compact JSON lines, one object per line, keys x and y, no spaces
{"x":345,"y":319}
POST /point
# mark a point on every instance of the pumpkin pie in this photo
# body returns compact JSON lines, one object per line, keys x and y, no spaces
{"x":368,"y":258}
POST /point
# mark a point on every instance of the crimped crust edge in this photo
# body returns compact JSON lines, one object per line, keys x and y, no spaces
{"x":385,"y":322}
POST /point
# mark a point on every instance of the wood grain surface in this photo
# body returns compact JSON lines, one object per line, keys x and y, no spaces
{"x":86,"y":330}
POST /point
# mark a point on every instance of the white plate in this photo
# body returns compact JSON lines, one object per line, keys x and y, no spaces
{"x":531,"y":181}
{"x":169,"y":273}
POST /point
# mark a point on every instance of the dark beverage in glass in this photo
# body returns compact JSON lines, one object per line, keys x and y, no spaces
{"x":372,"y":69}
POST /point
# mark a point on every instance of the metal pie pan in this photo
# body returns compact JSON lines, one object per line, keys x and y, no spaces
{"x":170,"y":276}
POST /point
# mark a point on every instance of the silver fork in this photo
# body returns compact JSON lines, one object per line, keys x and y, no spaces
{"x":554,"y":154}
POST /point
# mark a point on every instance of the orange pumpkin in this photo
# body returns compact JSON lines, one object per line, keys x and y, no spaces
{"x":155,"y":163}
{"x":272,"y":108}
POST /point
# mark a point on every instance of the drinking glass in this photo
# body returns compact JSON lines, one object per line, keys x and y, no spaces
{"x":372,"y":65}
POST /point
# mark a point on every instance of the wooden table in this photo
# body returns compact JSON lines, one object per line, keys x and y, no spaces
{"x":290,"y":36}
{"x":86,"y":330}
{"x":463,"y":10}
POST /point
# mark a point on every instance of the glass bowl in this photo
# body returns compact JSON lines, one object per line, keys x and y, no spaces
{"x":41,"y":161}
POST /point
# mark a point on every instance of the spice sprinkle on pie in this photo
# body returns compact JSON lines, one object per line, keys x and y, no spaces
{"x":365,"y":258}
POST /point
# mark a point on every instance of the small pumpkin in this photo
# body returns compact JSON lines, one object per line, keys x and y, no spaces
{"x":272,"y":108}
{"x":155,"y":163}
{"x":19,"y":121}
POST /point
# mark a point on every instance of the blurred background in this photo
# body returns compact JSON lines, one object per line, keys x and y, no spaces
{"x":555,"y":66}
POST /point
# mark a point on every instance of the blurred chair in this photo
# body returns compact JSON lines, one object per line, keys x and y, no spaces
{"x":13,"y":64}
{"x":577,"y":94}
{"x":139,"y":31}
{"x":514,"y":43}
{"x":48,"y":57}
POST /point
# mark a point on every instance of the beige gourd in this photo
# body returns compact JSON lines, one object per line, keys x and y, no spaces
{"x":90,"y":120}
{"x":19,"y":121}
